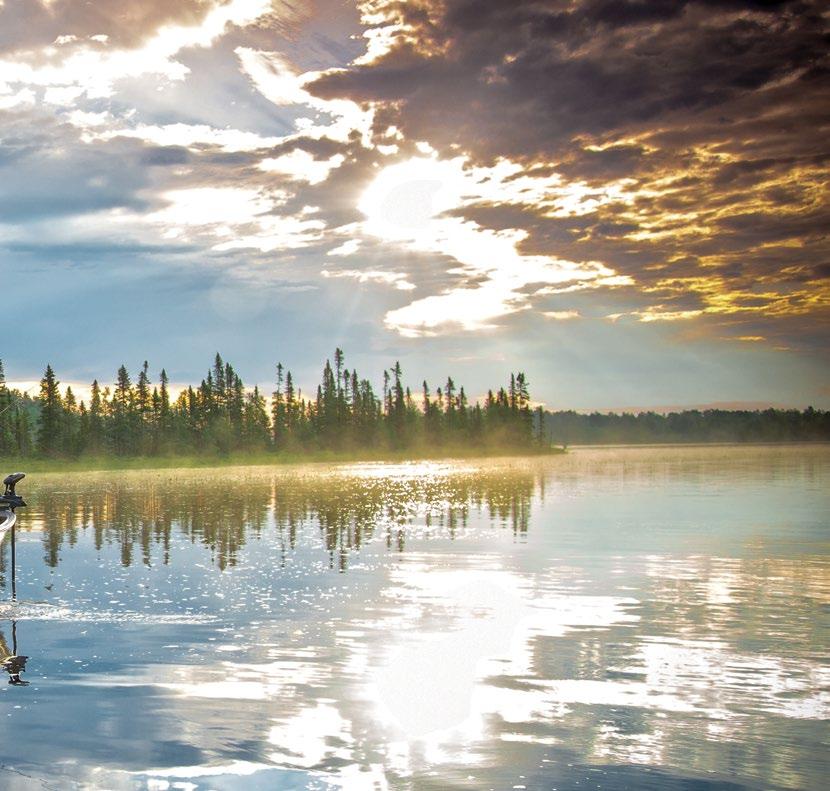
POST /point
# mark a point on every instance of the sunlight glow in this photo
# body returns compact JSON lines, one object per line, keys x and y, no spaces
{"x":305,"y":739}
{"x":409,"y":203}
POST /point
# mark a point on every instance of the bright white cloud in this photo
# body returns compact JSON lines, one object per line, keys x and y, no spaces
{"x":280,"y":83}
{"x":346,"y":249}
{"x":301,"y":166}
{"x":25,"y":97}
{"x":407,"y":203}
{"x":186,"y":135}
{"x":233,"y":218}
{"x":94,"y":69}
{"x":276,"y":232}
{"x":658,"y":313}
{"x":216,"y":206}
{"x":396,"y":279}
{"x":561,"y":315}
{"x":461,"y":308}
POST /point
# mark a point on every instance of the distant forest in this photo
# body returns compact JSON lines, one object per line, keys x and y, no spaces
{"x":140,"y":418}
{"x":135,"y":418}
{"x":692,"y":425}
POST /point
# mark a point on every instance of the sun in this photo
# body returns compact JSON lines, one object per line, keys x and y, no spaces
{"x":404,"y":200}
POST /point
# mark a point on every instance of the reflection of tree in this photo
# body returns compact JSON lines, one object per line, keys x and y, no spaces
{"x":140,"y":514}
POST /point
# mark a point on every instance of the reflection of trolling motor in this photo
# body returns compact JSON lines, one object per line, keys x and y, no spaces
{"x":14,"y":666}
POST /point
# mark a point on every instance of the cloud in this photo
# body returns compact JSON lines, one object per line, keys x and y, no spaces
{"x":91,"y":65}
{"x":561,"y":315}
{"x":410,"y":202}
{"x":122,"y":22}
{"x":523,"y":168}
{"x":302,"y":166}
{"x":681,"y":145}
{"x":281,"y":83}
{"x":396,"y":279}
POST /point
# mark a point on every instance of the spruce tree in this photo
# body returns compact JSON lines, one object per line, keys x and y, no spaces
{"x":50,"y":421}
{"x":7,"y":416}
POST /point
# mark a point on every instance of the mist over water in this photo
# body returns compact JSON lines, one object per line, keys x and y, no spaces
{"x":630,"y":618}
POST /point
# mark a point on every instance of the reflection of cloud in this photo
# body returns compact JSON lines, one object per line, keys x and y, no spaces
{"x":443,"y":669}
{"x":471,"y":655}
{"x":494,"y":619}
{"x":305,"y":740}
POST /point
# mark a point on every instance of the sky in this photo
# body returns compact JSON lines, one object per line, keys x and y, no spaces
{"x":628,"y":201}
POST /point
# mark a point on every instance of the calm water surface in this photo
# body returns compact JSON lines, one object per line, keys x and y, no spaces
{"x":615,"y":619}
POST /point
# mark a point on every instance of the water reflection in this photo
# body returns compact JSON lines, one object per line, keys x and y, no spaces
{"x":139,"y":513}
{"x":628,"y":623}
{"x":12,"y":662}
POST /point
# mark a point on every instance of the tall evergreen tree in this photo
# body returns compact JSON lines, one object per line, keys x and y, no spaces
{"x":95,"y":433}
{"x":8,"y":416}
{"x":123,"y":433}
{"x":50,"y":422}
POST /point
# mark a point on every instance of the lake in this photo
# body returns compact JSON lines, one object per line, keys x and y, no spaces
{"x":652,"y":618}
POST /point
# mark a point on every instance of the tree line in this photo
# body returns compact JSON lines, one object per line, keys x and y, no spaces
{"x":138,"y":416}
{"x":691,"y":425}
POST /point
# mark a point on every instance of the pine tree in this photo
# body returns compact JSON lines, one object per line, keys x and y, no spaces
{"x":220,"y":384}
{"x":95,"y":433}
{"x":123,"y":428}
{"x":8,"y":416}
{"x":50,"y":422}
{"x":72,"y":439}
{"x":221,"y":416}
{"x":278,"y":410}
{"x":256,"y":430}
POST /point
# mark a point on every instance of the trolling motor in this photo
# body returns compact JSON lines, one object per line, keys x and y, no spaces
{"x":10,"y":661}
{"x":10,"y":498}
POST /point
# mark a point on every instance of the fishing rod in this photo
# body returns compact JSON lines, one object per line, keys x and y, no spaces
{"x":11,"y":403}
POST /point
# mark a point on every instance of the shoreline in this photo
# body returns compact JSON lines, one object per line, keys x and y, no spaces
{"x":748,"y":444}
{"x":207,"y":461}
{"x":106,"y":463}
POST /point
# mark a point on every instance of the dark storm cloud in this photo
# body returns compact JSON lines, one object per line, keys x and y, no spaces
{"x":714,"y":115}
{"x":524,"y":78}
